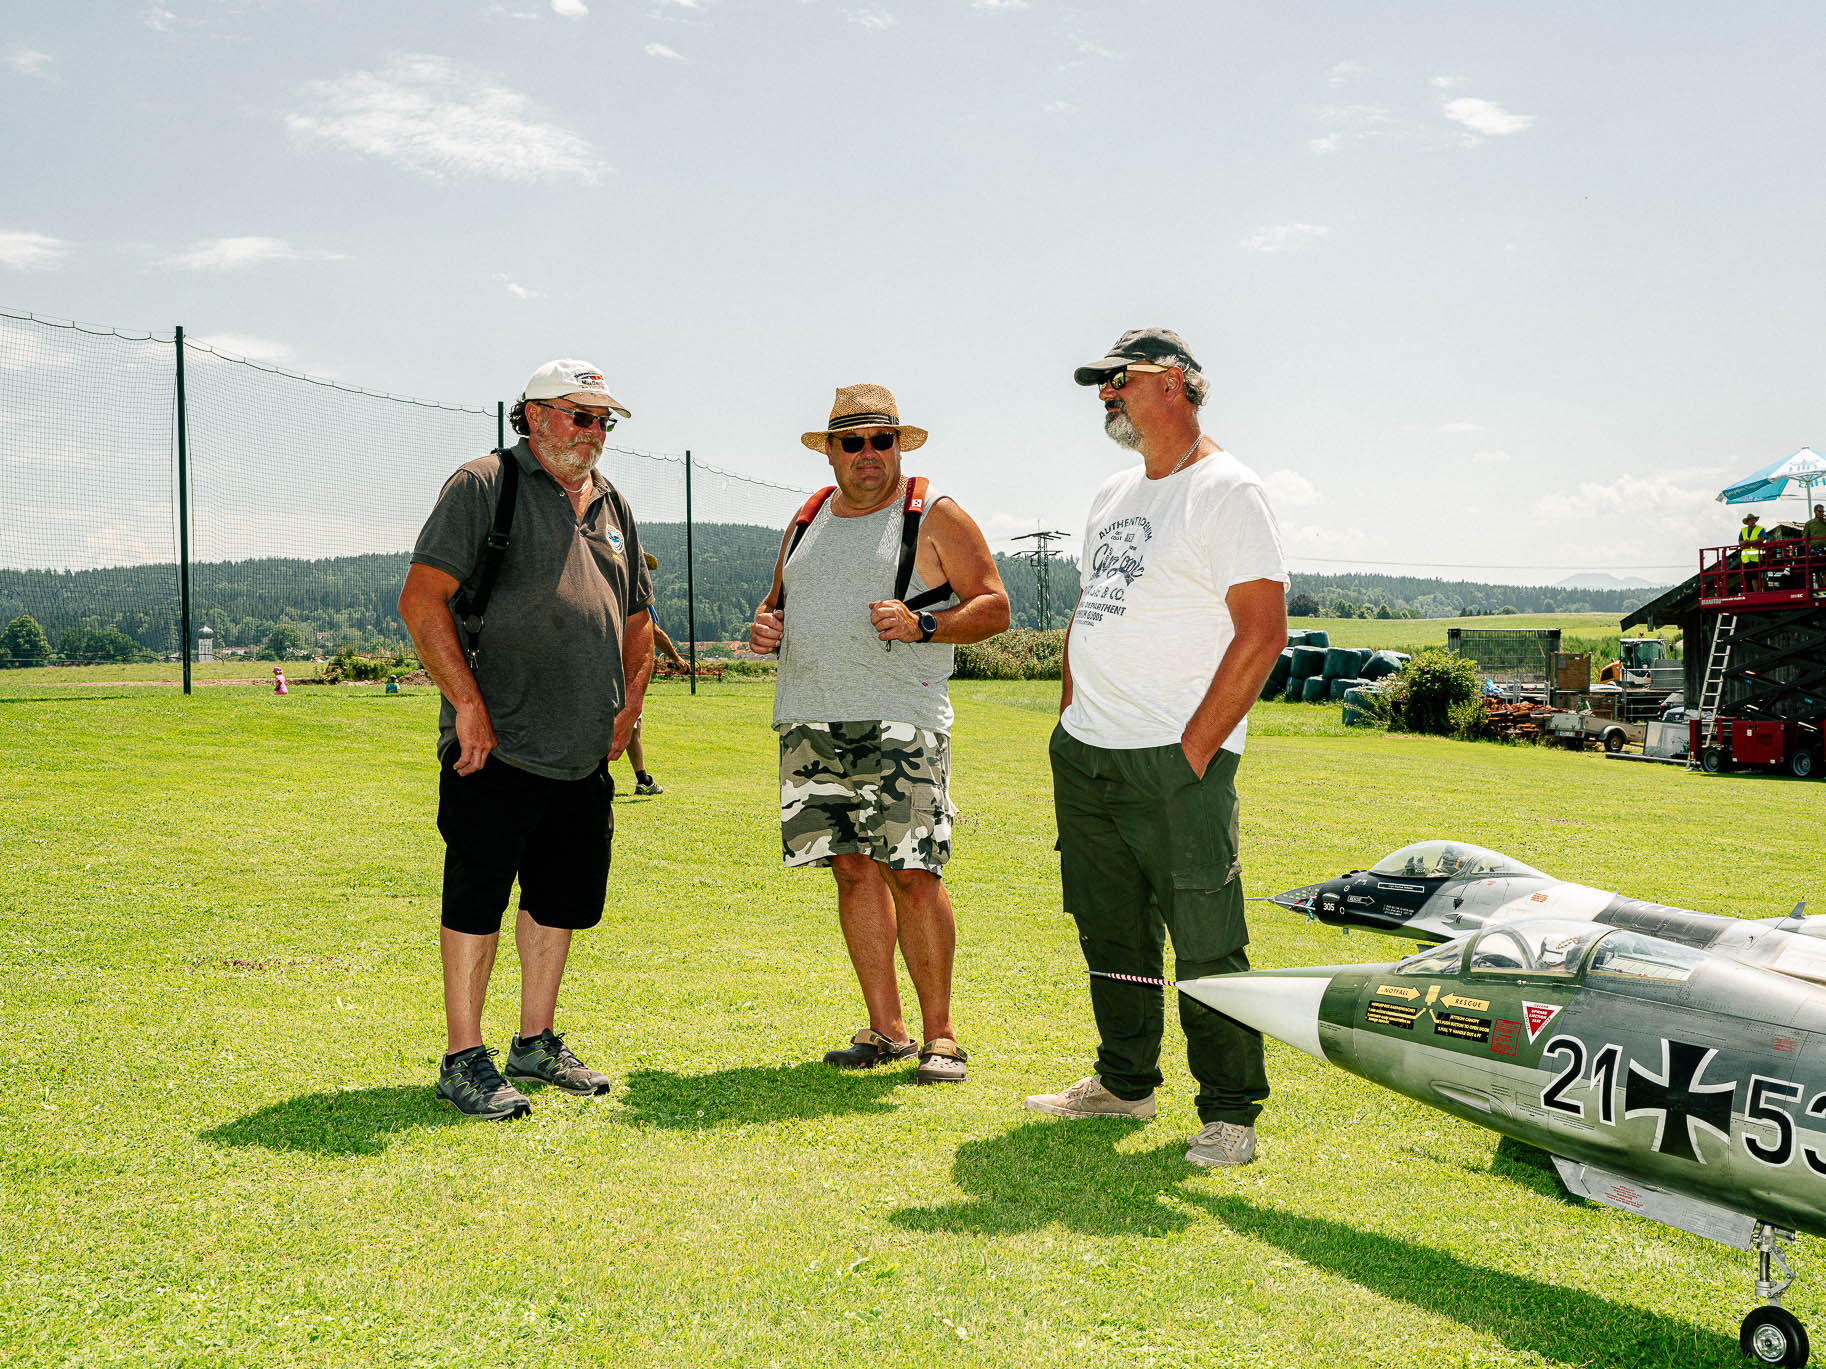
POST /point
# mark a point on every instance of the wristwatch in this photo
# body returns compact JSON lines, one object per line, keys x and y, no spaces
{"x":927,"y":626}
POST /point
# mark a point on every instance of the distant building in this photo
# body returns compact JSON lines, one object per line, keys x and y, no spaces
{"x":206,"y":645}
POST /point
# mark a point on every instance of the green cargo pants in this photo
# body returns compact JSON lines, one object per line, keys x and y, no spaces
{"x":1147,"y":850}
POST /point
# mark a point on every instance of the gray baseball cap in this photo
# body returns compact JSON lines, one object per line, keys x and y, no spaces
{"x":1150,"y":346}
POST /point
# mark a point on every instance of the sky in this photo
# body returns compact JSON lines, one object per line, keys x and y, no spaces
{"x":1490,"y":291}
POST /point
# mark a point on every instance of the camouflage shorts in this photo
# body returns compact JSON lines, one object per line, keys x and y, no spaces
{"x":874,"y":789}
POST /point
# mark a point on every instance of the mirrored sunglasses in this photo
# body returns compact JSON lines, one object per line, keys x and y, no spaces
{"x":1121,"y":378}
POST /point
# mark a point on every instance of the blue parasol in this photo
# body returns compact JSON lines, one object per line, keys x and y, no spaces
{"x":1806,"y":467}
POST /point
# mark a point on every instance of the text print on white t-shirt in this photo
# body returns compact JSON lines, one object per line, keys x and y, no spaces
{"x":1119,"y":560}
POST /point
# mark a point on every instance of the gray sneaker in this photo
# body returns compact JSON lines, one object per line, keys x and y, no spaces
{"x":1220,"y":1144}
{"x":547,"y":1059}
{"x":1088,"y":1098}
{"x":470,"y":1083}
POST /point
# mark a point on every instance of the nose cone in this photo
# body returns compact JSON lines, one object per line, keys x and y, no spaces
{"x":1281,"y":1004}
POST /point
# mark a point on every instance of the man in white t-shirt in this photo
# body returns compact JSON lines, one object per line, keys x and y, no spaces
{"x":1182,"y":613}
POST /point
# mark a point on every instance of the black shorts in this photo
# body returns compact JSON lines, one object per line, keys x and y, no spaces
{"x":555,"y":835}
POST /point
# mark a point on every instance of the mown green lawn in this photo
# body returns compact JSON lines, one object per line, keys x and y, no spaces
{"x":218,"y":988}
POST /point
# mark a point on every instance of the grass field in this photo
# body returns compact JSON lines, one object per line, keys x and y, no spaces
{"x":218,"y":985}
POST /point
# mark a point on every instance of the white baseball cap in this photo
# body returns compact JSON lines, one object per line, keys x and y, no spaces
{"x":569,"y":378}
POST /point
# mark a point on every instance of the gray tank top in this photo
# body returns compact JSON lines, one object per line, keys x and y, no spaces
{"x":833,"y":668}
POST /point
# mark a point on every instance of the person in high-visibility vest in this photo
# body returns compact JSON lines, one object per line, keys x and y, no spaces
{"x":1747,"y":538}
{"x":1748,"y":552}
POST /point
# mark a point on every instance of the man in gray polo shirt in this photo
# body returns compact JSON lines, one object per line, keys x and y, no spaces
{"x":535,"y":706}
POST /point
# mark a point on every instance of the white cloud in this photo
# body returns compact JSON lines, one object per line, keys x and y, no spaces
{"x":1283,"y":237}
{"x":1461,"y":427}
{"x":31,"y":251}
{"x":1343,"y":72}
{"x":1447,"y":82}
{"x":1486,"y":117}
{"x":1489,"y":458}
{"x":874,"y":20}
{"x":570,"y":9}
{"x":1639,"y":519}
{"x":1059,"y":107}
{"x":243,"y":254}
{"x":682,"y":4}
{"x":30,"y":62}
{"x":430,"y":115}
{"x":661,"y":50}
{"x":158,"y":18}
{"x":242,"y":345}
{"x":1349,"y":123}
{"x":998,"y":4}
{"x":516,"y":290}
{"x":1289,"y":489}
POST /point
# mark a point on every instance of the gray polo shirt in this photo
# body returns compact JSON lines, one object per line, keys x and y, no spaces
{"x":549,"y":665}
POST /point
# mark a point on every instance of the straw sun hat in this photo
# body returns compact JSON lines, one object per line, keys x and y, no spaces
{"x":865,"y":406}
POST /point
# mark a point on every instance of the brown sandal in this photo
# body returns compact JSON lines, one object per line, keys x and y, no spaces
{"x":941,"y":1061}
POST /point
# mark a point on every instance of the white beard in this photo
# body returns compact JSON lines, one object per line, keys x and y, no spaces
{"x":1121,"y":431}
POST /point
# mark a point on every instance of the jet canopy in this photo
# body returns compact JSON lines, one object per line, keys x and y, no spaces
{"x":1450,"y":860}
{"x":1558,"y":947}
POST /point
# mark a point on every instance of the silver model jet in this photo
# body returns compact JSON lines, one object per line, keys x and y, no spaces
{"x":1673,"y":1064}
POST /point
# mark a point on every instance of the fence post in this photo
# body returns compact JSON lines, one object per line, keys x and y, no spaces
{"x":690,"y":578}
{"x":183,"y":513}
{"x":500,"y":425}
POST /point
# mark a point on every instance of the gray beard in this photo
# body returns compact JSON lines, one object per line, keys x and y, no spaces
{"x":1121,"y":431}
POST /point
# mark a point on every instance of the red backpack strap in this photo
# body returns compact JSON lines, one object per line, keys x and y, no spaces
{"x":801,"y":521}
{"x":911,"y":512}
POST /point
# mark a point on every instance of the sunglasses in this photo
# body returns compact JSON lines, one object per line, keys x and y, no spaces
{"x":880,"y":442}
{"x":1120,"y":378}
{"x":583,"y":418}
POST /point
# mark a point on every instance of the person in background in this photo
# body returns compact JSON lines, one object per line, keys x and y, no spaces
{"x":644,"y":783}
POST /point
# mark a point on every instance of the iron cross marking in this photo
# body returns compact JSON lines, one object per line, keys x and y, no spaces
{"x":1681,"y":1101}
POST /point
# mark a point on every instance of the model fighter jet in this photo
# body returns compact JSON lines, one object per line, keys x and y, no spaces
{"x":1672,"y":1063}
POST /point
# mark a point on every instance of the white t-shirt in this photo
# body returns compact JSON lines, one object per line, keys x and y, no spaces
{"x":1151,"y":624}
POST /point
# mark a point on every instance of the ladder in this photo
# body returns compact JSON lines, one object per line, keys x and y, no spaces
{"x":1711,"y":692}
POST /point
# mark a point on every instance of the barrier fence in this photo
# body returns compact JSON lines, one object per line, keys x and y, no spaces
{"x":156,"y":487}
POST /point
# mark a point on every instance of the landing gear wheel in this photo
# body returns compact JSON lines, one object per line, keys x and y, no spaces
{"x":1773,"y":1335}
{"x":1712,"y":760}
{"x":1803,"y":765}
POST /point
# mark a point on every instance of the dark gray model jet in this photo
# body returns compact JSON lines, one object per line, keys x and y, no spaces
{"x":1673,"y":1064}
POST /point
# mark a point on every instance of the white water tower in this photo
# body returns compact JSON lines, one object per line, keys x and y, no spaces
{"x":206,"y":645}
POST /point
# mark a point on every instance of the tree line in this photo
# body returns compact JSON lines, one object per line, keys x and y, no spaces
{"x":346,"y":603}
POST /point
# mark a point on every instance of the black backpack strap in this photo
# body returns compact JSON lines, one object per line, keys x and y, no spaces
{"x":472,"y":604}
{"x":801,"y":521}
{"x":911,"y":513}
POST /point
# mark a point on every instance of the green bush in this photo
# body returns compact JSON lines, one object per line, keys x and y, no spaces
{"x":1423,"y":694}
{"x":751,"y":668}
{"x":1021,"y":653}
{"x":347,"y":665}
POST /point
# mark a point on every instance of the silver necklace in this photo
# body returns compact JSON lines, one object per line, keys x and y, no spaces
{"x":1188,"y":456}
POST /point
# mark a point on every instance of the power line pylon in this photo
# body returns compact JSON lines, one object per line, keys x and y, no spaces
{"x":1041,"y":556}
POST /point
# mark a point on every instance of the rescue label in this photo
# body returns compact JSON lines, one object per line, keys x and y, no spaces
{"x":1461,"y":1027}
{"x":1392,"y":1015}
{"x":1453,"y":1000}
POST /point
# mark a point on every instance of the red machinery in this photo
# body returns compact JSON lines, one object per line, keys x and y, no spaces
{"x":1782,"y":742}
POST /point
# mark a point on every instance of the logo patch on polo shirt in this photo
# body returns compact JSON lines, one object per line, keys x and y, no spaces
{"x":614,"y":536}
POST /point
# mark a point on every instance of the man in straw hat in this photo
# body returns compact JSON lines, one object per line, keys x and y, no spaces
{"x":876,"y":582}
{"x":541,"y":691}
{"x":1181,"y":615}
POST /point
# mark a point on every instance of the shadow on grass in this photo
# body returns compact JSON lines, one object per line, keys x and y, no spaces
{"x":337,"y":1122}
{"x":776,"y":1093}
{"x":61,"y":698}
{"x":1065,"y":1172}
{"x":1560,"y":1324}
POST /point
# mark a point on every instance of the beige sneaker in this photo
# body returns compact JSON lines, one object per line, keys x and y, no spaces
{"x":1222,"y":1143}
{"x":1088,"y":1098}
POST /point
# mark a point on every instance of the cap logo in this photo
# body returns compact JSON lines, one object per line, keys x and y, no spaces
{"x":591,"y":378}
